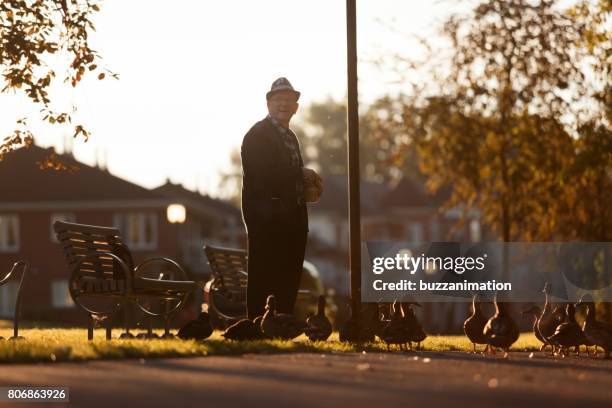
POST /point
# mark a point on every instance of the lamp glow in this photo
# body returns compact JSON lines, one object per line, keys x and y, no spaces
{"x":176,"y":213}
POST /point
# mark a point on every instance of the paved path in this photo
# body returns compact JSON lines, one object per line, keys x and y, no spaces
{"x":319,"y":380}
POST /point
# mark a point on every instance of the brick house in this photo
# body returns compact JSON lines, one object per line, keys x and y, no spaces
{"x":411,"y":213}
{"x":33,"y":199}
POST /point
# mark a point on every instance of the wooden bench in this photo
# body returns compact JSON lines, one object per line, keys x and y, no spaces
{"x":225,"y":292}
{"x":17,"y":312}
{"x":104,"y":280}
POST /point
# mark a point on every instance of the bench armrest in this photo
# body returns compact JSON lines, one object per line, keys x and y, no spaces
{"x":177,"y":281}
{"x":25,"y":266}
{"x":181,"y":274}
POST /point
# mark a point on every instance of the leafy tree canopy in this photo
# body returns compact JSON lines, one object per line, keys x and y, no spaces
{"x":31,"y":32}
{"x":509,"y":119}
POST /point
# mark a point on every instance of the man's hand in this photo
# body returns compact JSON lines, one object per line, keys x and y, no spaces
{"x":311,"y":177}
{"x":313,"y":185}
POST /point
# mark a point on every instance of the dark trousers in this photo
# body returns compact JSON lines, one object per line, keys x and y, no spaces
{"x":275,"y":260}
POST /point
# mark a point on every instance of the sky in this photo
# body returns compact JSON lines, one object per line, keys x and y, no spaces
{"x":194,"y":74}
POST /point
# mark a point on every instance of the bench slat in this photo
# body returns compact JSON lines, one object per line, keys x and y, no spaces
{"x":60,"y":226}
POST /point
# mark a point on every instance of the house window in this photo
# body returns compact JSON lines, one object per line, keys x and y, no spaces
{"x":67,"y":217}
{"x":138,"y":230}
{"x":434,"y":230}
{"x":9,"y":233}
{"x":415,"y":232}
{"x":8,"y":296}
{"x":60,"y":295}
{"x":475,"y":231}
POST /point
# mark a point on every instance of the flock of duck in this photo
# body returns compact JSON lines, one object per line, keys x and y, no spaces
{"x":398,"y":325}
{"x":556,"y":327}
{"x":401,"y":327}
{"x":271,"y":325}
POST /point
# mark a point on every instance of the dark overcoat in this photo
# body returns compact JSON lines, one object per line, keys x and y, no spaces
{"x":275,"y":217}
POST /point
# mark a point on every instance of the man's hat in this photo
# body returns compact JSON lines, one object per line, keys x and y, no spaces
{"x":282,"y":84}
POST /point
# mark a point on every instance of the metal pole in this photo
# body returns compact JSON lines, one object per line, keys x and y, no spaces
{"x":353,"y":160}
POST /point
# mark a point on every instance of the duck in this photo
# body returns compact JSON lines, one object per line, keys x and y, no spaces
{"x":197,"y":329}
{"x":380,"y":318}
{"x":244,"y":329}
{"x":559,"y":313}
{"x":587,"y":343}
{"x":279,"y":325}
{"x":473,"y":326}
{"x":376,"y":318}
{"x":535,"y":311}
{"x":568,"y":334}
{"x":415,"y":330}
{"x":396,"y":331}
{"x":501,"y":330}
{"x":361,"y":329}
{"x":549,"y":319}
{"x":596,"y":332}
{"x":318,"y":326}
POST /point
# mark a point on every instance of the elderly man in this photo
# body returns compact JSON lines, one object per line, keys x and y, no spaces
{"x":273,"y":203}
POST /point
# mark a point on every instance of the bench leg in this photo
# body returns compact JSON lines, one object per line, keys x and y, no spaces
{"x":90,"y":328}
{"x":109,"y":331}
{"x":150,"y":334}
{"x":167,"y":334}
{"x":126,"y":322}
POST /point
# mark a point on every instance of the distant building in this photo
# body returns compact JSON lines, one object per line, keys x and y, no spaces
{"x":329,"y":231}
{"x":411,"y":213}
{"x":406,"y":212}
{"x":33,"y":199}
{"x":209,"y":221}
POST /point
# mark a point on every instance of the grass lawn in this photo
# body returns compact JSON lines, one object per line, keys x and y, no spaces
{"x":51,"y":345}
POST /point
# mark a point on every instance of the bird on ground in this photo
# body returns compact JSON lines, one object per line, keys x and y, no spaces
{"x":549,"y":319}
{"x":559,"y":313}
{"x":318,"y":326}
{"x":382,"y":317}
{"x":535,"y":312}
{"x":197,"y":329}
{"x":379,"y":317}
{"x":598,"y":333}
{"x":375,"y":317}
{"x":415,"y":330}
{"x":244,"y":329}
{"x":568,"y":334}
{"x":396,"y":331}
{"x":501,"y":330}
{"x":362,"y":328}
{"x":279,"y":325}
{"x":473,"y":326}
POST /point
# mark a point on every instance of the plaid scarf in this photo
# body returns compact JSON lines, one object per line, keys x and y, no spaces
{"x":292,"y":147}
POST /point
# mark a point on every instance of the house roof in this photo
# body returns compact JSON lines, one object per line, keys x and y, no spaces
{"x":22,"y":180}
{"x":196,"y":201}
{"x":335,"y":195}
{"x":378,"y":197}
{"x":411,"y":192}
